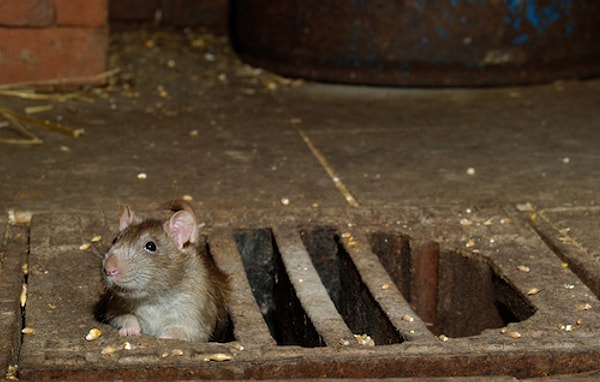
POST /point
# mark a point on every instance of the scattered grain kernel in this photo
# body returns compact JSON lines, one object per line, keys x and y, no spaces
{"x":198,"y":42}
{"x":583,"y":306}
{"x":569,"y":286}
{"x":525,"y":207}
{"x":514,"y":335}
{"x":466,"y":222}
{"x":142,"y":176}
{"x":218,"y":357}
{"x":385,"y":286}
{"x":344,"y":342}
{"x":533,"y":291}
{"x":25,"y":268}
{"x":565,"y":327}
{"x":187,"y":198}
{"x":109,"y":351}
{"x":505,"y":221}
{"x":27,"y":330}
{"x":407,"y":318}
{"x":471,"y":171}
{"x":177,"y":352}
{"x":23,"y":297}
{"x":85,"y":246}
{"x":364,"y":339}
{"x":470,"y":244}
{"x":565,"y":265}
{"x":11,"y":374}
{"x":96,"y":239}
{"x":93,"y":334}
{"x":523,"y":268}
{"x":504,"y":330}
{"x":443,"y":338}
{"x":579,"y":321}
{"x":126,"y":346}
{"x":285,"y":201}
{"x":533,"y":217}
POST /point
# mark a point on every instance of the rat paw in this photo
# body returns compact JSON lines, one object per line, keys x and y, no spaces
{"x":129,"y":332}
{"x":128,"y":325}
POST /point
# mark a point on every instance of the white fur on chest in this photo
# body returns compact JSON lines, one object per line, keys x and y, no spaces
{"x":179,"y":311}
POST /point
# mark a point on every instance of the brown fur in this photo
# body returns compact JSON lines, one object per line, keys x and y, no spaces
{"x":169,"y":289}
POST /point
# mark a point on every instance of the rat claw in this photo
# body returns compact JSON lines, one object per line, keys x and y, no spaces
{"x":128,"y":332}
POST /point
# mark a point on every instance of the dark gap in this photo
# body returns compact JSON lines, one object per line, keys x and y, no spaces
{"x":469,"y":297}
{"x":344,"y":285}
{"x":273,"y":291}
{"x":17,"y":342}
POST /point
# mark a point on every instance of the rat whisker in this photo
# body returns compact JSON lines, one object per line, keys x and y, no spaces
{"x":99,"y":251}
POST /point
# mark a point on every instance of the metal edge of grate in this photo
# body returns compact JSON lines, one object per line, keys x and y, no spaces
{"x":542,"y":346}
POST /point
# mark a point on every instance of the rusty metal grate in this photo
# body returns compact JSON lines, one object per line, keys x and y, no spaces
{"x":441,"y":292}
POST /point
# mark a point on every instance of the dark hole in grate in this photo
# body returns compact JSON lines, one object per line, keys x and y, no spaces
{"x":455,"y":293}
{"x":280,"y":307}
{"x":344,"y":285}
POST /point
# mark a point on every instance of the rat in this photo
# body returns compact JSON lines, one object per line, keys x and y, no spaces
{"x":160,"y":280}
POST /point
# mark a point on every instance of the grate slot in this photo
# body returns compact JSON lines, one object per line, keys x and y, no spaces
{"x":249,"y":326}
{"x":310,"y":289}
{"x":345,"y":287}
{"x":271,"y":287}
{"x":457,"y":294}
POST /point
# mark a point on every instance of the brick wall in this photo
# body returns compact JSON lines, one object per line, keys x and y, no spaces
{"x":52,"y":39}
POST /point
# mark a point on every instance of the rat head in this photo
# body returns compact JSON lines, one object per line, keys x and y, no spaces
{"x":149,"y":256}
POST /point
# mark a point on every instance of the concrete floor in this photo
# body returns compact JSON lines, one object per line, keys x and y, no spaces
{"x":200,"y":123}
{"x":196,"y":121}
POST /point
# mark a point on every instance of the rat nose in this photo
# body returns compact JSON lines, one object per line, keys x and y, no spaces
{"x":111,"y":267}
{"x":111,"y":270}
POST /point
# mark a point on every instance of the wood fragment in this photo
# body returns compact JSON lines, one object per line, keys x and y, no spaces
{"x":64,"y":81}
{"x":14,"y":116}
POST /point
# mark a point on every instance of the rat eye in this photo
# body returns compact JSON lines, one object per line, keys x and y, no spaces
{"x":150,"y":246}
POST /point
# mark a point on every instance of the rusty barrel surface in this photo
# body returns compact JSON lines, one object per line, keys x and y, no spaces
{"x":420,"y":42}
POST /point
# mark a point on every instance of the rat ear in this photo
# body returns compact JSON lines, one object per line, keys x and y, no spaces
{"x":127,"y":218}
{"x":182,"y":228}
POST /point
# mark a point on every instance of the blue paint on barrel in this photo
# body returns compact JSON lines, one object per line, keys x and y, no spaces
{"x":520,"y":39}
{"x":537,"y":16}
